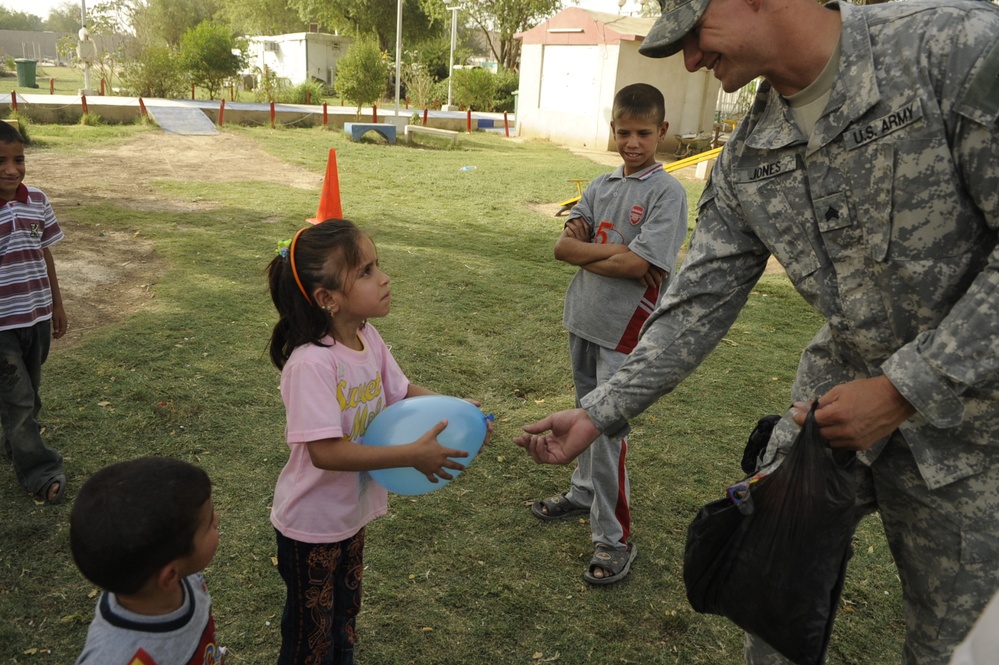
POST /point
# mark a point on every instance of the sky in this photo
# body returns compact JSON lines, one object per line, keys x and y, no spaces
{"x":36,"y":7}
{"x":610,"y":6}
{"x":43,"y":7}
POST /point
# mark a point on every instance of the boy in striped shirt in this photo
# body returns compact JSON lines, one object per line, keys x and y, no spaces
{"x":31,"y":314}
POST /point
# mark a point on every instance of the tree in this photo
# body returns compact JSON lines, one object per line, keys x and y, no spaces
{"x":11,"y":20}
{"x":169,"y":20}
{"x":369,"y":17}
{"x":361,"y":74}
{"x":211,"y":54}
{"x":65,"y":18}
{"x":262,"y":17}
{"x":500,"y":20}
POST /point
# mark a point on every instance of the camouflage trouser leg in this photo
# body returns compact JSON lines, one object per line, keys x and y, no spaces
{"x":945,"y":543}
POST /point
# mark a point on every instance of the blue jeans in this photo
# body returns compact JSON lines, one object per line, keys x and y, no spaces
{"x":324,"y":597}
{"x":22,"y":352}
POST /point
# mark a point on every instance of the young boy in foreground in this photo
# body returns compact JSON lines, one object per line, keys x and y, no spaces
{"x":143,"y":530}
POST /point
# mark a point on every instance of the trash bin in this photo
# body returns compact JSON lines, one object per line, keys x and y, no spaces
{"x":25,"y":72}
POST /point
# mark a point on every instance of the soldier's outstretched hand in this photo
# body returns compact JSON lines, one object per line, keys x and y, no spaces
{"x":559,"y":438}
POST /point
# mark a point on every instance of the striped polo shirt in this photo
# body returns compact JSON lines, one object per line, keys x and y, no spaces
{"x":27,"y":226}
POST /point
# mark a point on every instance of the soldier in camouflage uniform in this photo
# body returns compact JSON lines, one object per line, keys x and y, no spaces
{"x":869,"y":167}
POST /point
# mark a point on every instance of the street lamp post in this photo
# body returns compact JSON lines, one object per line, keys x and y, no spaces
{"x":398,"y":55}
{"x":85,"y":49}
{"x":454,"y":38}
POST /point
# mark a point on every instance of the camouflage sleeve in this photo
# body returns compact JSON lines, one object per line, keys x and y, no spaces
{"x":702,"y":301}
{"x":962,"y":354}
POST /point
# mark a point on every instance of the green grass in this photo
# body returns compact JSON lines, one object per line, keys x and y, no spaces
{"x":461,"y":575}
{"x":64,"y":81}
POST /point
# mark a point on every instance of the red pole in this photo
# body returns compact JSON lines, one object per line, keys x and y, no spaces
{"x":374,"y":113}
{"x":221,"y":113}
{"x":424,"y":117}
{"x":13,"y":100}
{"x":142,"y":108}
{"x":272,"y":115}
{"x":102,"y":87}
{"x":308,"y":96}
{"x":326,"y":118}
{"x":83,"y":103}
{"x":192,"y":91}
{"x":468,"y":121}
{"x":506,"y":124}
{"x":51,"y":86}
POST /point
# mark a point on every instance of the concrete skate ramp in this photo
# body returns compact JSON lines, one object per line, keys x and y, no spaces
{"x":178,"y":119}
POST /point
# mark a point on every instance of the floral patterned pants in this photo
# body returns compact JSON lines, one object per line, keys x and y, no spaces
{"x":324,"y":597}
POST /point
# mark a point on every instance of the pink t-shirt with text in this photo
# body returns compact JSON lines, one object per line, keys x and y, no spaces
{"x":332,"y":392}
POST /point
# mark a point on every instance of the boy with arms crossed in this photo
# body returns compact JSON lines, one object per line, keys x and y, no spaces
{"x":624,"y":234}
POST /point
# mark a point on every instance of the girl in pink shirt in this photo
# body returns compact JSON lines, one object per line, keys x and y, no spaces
{"x":336,"y":375}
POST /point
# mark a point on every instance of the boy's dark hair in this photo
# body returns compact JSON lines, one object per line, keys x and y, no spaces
{"x":302,"y":321}
{"x":640,"y":100}
{"x":9,"y":133}
{"x":132,"y":518}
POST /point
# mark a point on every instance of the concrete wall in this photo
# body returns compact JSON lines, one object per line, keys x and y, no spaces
{"x":30,"y":44}
{"x":565,"y":93}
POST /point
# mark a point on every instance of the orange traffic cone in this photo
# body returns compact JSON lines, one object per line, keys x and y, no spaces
{"x":329,"y":200}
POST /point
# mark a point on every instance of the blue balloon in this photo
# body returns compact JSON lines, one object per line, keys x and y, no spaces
{"x":408,"y":420}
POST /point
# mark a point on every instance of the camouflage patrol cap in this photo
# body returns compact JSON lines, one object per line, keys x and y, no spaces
{"x":677,"y":19}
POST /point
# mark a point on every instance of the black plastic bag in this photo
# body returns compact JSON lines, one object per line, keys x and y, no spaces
{"x":772,"y":555}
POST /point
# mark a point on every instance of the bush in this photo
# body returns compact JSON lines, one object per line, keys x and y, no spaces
{"x":438,"y":95}
{"x":270,"y":87}
{"x":156,"y":72}
{"x":474,"y":89}
{"x":419,"y":84}
{"x":310,"y":92}
{"x":507,"y":83}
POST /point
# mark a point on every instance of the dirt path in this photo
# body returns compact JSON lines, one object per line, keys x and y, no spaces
{"x":106,"y":275}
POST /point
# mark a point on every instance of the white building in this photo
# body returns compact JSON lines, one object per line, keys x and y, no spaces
{"x":300,"y":56}
{"x":572,"y":65}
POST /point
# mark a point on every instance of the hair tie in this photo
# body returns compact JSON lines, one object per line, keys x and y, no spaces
{"x":294,"y":270}
{"x":282,"y":248}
